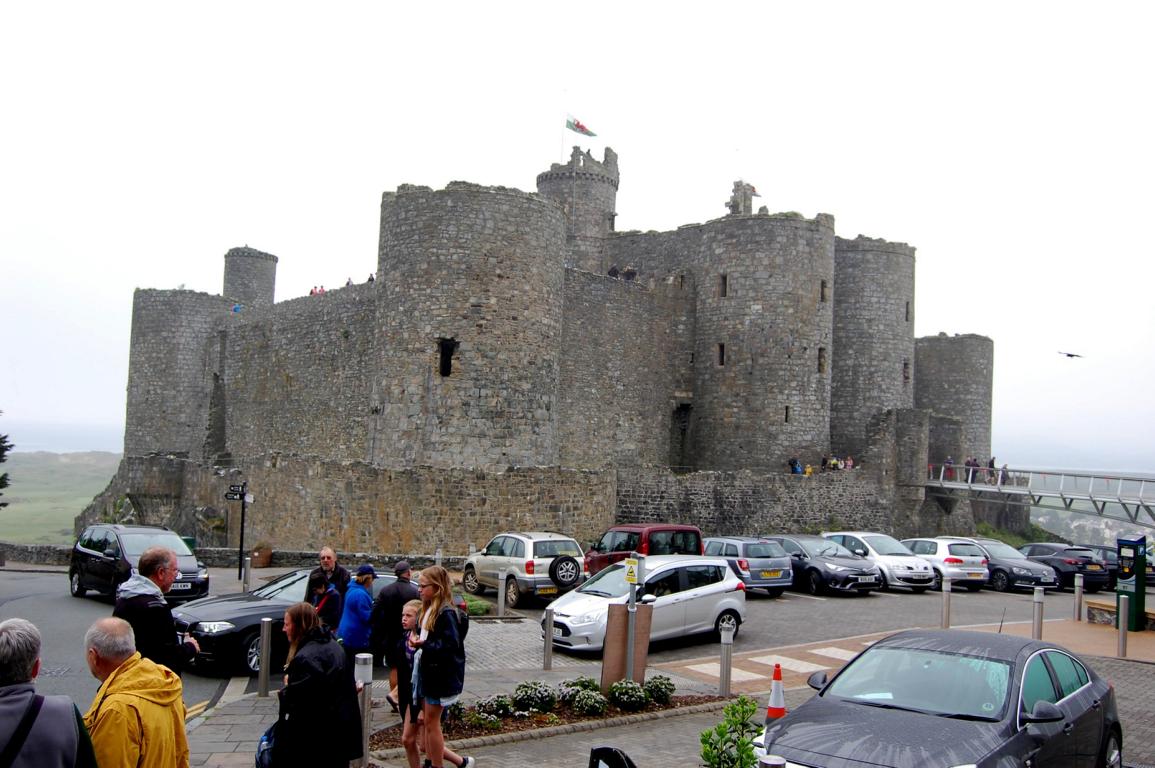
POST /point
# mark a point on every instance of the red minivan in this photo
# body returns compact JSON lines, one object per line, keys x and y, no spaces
{"x":644,"y":538}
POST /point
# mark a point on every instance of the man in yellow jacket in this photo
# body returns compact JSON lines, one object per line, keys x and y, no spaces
{"x":137,"y":717}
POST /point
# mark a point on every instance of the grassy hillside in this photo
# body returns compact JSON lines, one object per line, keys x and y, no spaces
{"x":48,"y":490}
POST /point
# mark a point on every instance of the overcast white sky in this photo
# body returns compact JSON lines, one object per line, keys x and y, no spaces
{"x":1011,"y":143}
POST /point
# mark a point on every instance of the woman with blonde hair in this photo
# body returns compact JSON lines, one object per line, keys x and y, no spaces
{"x":439,"y":658}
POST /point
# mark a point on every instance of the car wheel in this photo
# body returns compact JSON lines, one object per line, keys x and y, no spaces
{"x":470,"y":583}
{"x":937,"y":586}
{"x":564,"y":571}
{"x":917,"y":590}
{"x":512,"y":593}
{"x":883,"y":584}
{"x":251,"y":647}
{"x":1000,"y":581}
{"x":817,"y":584}
{"x":727,"y":619}
{"x":1112,"y":754}
{"x":74,"y":585}
{"x":774,"y":591}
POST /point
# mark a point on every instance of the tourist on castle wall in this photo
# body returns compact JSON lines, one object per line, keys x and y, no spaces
{"x":353,"y":631}
{"x":387,"y":636}
{"x":439,"y":660}
{"x":140,"y":601}
{"x":53,"y":736}
{"x":334,"y":573}
{"x":326,"y":601}
{"x":319,"y":723}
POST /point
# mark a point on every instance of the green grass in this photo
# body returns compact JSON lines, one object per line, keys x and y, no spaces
{"x":1016,"y":540}
{"x":48,"y":490}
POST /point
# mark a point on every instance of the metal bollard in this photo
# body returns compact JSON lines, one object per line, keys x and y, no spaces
{"x":1037,"y":616}
{"x":247,"y":572}
{"x":363,"y":674}
{"x":501,"y":592}
{"x":1121,"y":620}
{"x":266,"y":646}
{"x":547,"y":652}
{"x":727,"y":661}
{"x":1078,"y":597}
{"x":945,"y":603}
{"x":437,"y":557}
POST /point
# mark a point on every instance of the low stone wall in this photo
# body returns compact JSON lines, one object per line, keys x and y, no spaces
{"x":1103,"y":612}
{"x":37,"y":554}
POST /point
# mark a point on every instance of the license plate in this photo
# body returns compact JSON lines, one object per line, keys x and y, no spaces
{"x":866,"y":578}
{"x":179,"y":585}
{"x":547,"y":590}
{"x":771,"y":574}
{"x":557,"y":632}
{"x":1094,"y":567}
{"x":975,"y":573}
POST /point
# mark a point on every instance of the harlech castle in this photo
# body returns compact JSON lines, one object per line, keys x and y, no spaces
{"x":519,"y":364}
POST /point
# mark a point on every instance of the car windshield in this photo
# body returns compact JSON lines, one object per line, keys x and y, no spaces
{"x":824,"y":548}
{"x":940,"y":683}
{"x":887,"y":545}
{"x":137,"y":543}
{"x":290,"y":587}
{"x":999,"y":549}
{"x":765,"y":549}
{"x":608,"y":582}
{"x":556,"y":548}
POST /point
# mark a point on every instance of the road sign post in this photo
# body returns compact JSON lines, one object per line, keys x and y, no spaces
{"x":240,"y":493}
{"x":631,"y":620}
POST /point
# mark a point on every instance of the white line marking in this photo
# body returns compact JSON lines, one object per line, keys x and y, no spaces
{"x":808,"y":597}
{"x":713,"y":669}
{"x":835,"y":653}
{"x":234,"y":690}
{"x":794,"y":665}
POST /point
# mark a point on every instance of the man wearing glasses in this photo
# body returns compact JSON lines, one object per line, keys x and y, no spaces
{"x":140,"y":601}
{"x":334,"y":573}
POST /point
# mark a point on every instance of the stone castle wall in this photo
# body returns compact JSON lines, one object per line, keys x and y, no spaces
{"x":955,"y":377}
{"x":250,"y":277}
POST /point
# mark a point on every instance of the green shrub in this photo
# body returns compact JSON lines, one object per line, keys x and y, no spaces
{"x":589,"y":702}
{"x":568,"y":688}
{"x":476,"y":606}
{"x":730,"y":744}
{"x":660,"y":688}
{"x":533,"y":694}
{"x":628,"y":695}
{"x":455,"y":711}
{"x":498,"y":706}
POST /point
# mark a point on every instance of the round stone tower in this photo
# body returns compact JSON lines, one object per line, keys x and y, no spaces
{"x":954,"y":376}
{"x":587,"y":191}
{"x":469,"y":310}
{"x":763,"y":340}
{"x":873,"y":363}
{"x":250,"y":277}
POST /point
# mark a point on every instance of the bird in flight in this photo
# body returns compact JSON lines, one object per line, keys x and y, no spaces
{"x":1070,"y":354}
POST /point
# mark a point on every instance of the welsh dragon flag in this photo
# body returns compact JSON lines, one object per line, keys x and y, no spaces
{"x":578,"y":126}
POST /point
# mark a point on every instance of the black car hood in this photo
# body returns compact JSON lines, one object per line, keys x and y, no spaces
{"x":230,"y":607}
{"x":839,"y":734}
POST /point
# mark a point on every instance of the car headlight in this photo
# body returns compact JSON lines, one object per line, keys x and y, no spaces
{"x":1020,"y":571}
{"x":839,"y":568}
{"x":214,"y":627}
{"x":202,"y":573}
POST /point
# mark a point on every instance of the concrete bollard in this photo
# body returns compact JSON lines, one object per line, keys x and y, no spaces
{"x":501,"y":574}
{"x":547,"y":651}
{"x":266,"y":653}
{"x":1037,"y":616}
{"x":363,"y":674}
{"x":1078,"y":597}
{"x":945,"y":603}
{"x":1122,"y":622}
{"x":727,"y":661}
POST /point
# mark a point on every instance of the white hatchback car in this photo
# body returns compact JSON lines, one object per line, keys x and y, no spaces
{"x":965,"y":564}
{"x":690,"y":594}
{"x":898,"y":565}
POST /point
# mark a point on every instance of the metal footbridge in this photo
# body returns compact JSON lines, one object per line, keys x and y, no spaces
{"x":1090,"y":494}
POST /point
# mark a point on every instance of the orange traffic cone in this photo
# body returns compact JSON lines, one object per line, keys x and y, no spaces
{"x":777,"y":706}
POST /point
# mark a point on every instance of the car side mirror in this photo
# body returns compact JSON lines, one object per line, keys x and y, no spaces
{"x":860,"y":552}
{"x":593,"y":547}
{"x":817,"y":680}
{"x":1044,"y":712}
{"x":647,"y":599}
{"x":110,"y":553}
{"x":798,"y":556}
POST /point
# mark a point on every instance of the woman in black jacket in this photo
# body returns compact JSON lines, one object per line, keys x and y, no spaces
{"x":320,"y":722}
{"x":440,"y":656}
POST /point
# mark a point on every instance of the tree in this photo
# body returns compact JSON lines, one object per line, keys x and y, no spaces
{"x":5,"y":446}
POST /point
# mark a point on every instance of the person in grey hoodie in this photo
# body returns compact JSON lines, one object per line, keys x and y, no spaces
{"x":140,"y":601}
{"x":54,"y":736}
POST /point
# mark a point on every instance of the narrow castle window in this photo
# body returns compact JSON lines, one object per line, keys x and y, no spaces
{"x":786,"y":419}
{"x":721,"y":354}
{"x":908,"y":311}
{"x":446,"y":347}
{"x":723,"y":285}
{"x":822,"y":359}
{"x":613,"y":272}
{"x":681,"y":281}
{"x":822,"y":292}
{"x":906,"y":371}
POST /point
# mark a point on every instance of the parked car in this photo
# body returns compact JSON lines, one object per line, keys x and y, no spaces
{"x":1068,"y":560}
{"x":939,"y":698}
{"x":1009,"y":568}
{"x":759,"y":563}
{"x":105,"y":555}
{"x":535,"y":563}
{"x":962,"y":562}
{"x":646,"y":539}
{"x":228,"y":627}
{"x":1109,"y":557}
{"x":689,"y":595}
{"x":897,"y":565}
{"x":820,"y":565}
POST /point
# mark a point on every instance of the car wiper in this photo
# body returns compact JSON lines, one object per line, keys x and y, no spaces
{"x":885,"y":705}
{"x":596,"y":592}
{"x":968,"y":716}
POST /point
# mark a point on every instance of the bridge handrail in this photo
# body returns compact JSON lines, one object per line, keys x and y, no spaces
{"x":1064,"y":484}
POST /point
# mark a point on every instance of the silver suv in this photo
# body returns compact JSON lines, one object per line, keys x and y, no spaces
{"x":533,"y":562}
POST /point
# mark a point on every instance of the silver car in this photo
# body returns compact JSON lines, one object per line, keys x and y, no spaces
{"x":759,"y":563}
{"x":963,"y":563}
{"x":898,"y":565}
{"x":525,"y":563}
{"x":689,"y":594}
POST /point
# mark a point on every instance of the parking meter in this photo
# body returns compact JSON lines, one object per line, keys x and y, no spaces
{"x":1132,"y":582}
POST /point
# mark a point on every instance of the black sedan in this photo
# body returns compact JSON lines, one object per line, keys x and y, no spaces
{"x":927,"y":698}
{"x":1068,"y":561}
{"x":228,"y":628}
{"x":820,"y":565}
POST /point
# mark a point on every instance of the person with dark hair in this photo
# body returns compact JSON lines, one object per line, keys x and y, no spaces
{"x":137,"y":717}
{"x":140,"y":601}
{"x":319,"y":724}
{"x":325,"y":598}
{"x":42,"y":731}
{"x":387,"y":637}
